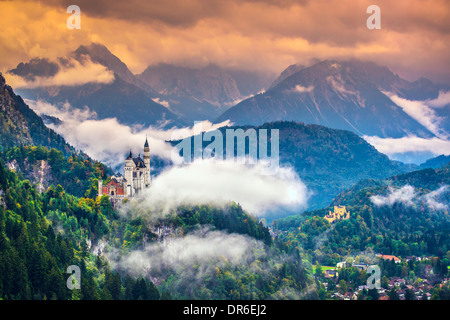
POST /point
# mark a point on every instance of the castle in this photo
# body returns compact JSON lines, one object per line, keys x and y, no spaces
{"x":135,"y":179}
{"x":340,"y":213}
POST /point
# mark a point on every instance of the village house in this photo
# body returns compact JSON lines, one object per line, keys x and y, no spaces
{"x":389,"y":257}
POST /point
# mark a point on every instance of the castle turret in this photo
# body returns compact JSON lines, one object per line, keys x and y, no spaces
{"x":100,"y":187}
{"x":128,"y":174}
{"x":147,"y":180}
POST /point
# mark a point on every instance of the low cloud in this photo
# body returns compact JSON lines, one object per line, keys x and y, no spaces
{"x":162,"y":102}
{"x":339,"y":85}
{"x":423,"y":113}
{"x":219,"y":183}
{"x":259,"y":188}
{"x":71,"y":73}
{"x":404,"y":195}
{"x":409,"y":196}
{"x":230,"y":104}
{"x":190,"y":260}
{"x":432,"y":198}
{"x":206,"y":248}
{"x":392,"y":146}
{"x":107,"y":140}
{"x":301,"y":89}
{"x":441,"y":101}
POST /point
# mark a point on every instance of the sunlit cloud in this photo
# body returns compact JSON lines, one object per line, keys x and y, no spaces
{"x":250,"y":35}
{"x":74,"y":73}
{"x":301,"y":89}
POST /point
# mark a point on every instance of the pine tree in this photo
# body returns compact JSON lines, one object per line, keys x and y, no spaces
{"x":393,"y":295}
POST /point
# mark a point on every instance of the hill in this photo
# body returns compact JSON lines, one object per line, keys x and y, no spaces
{"x":436,"y":162}
{"x":19,"y":125}
{"x":42,"y":234}
{"x":43,"y":167}
{"x":327,"y":160}
{"x":402,"y":215}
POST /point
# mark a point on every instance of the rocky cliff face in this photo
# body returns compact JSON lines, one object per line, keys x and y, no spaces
{"x":39,"y":172}
{"x":19,"y":125}
{"x":13,"y":125}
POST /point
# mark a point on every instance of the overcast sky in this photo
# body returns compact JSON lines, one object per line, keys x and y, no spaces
{"x":246,"y":34}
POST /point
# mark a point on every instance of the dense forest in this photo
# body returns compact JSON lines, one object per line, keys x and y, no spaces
{"x":34,"y":256}
{"x":402,"y":228}
{"x":43,"y":234}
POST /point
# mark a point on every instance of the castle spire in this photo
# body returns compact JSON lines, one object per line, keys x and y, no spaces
{"x":146,"y":142}
{"x":130,"y":156}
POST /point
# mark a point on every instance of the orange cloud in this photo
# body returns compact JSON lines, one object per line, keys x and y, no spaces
{"x":253,"y":35}
{"x":73,"y":73}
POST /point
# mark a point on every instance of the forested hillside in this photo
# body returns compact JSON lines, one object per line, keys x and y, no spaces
{"x":402,"y":215}
{"x":42,"y":234}
{"x":327,"y":160}
{"x":77,"y":174}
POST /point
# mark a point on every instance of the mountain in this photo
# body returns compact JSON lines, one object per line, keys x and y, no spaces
{"x":338,"y":94}
{"x":19,"y":125}
{"x":289,"y":71}
{"x":203,"y":92}
{"x":164,"y":92}
{"x":436,"y":162}
{"x":126,"y":98}
{"x":327,"y":160}
{"x":100,"y":54}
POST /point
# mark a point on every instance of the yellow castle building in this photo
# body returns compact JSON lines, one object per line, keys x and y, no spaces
{"x":340,"y":213}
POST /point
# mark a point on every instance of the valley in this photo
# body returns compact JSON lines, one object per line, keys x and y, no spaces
{"x":210,"y":230}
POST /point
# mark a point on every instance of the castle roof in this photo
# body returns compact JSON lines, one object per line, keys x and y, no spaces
{"x":139,"y":162}
{"x":113,"y":182}
{"x":146,"y":143}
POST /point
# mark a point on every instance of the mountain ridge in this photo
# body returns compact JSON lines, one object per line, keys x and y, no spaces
{"x":126,"y":98}
{"x":161,"y":92}
{"x":339,"y":94}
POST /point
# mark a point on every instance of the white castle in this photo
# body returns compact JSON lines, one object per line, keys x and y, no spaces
{"x":135,"y":179}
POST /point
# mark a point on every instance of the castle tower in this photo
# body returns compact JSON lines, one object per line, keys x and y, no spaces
{"x":147,"y":164}
{"x":128,"y":175}
{"x":100,"y":187}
